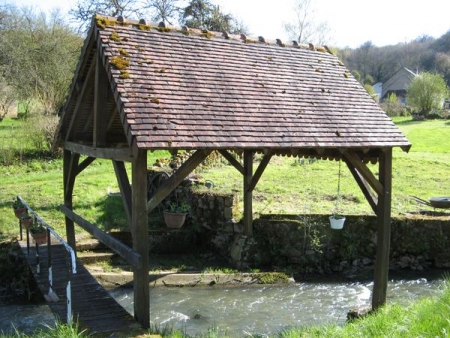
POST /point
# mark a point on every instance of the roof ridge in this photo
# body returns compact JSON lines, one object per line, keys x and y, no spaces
{"x":103,"y":21}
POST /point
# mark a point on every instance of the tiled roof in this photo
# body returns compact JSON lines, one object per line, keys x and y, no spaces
{"x":187,"y":89}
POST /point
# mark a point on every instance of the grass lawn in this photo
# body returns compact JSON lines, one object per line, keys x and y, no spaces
{"x":288,"y":185}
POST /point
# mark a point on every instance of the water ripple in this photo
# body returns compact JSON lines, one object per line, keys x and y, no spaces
{"x":267,"y":309}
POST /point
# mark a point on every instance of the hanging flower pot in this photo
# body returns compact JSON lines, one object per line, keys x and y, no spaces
{"x":26,"y":220}
{"x":337,"y":221}
{"x":175,"y":215}
{"x":19,"y":208}
{"x":173,"y":219}
{"x":39,"y":233}
{"x":19,"y":212}
{"x":39,"y":237}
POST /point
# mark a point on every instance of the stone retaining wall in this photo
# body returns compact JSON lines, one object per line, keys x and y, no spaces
{"x":306,"y":243}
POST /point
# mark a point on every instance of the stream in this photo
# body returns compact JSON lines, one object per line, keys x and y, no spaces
{"x":239,"y":310}
{"x":267,"y":309}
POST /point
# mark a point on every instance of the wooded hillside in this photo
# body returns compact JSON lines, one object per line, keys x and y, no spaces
{"x":377,"y":64}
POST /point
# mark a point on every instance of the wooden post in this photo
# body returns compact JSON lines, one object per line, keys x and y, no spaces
{"x":383,"y":230}
{"x":248,"y":193}
{"x":70,"y":165}
{"x":139,"y":229}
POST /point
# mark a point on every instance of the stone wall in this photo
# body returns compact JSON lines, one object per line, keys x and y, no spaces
{"x":306,"y":243}
{"x":309,"y":244}
{"x":210,"y":216}
{"x":212,"y":211}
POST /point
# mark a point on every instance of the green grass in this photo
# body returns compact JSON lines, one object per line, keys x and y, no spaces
{"x":287,"y":186}
{"x":426,"y":136}
{"x":427,"y":317}
{"x":58,"y":331}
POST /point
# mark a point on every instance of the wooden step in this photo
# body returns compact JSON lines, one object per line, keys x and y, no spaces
{"x":87,"y":257}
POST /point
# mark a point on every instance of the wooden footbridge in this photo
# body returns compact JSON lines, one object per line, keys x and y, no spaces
{"x":72,"y":293}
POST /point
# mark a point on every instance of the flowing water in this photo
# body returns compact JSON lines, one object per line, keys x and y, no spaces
{"x":267,"y":309}
{"x":24,"y":318}
{"x":238,"y":310}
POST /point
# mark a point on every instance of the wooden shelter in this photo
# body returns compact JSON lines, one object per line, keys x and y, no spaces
{"x":141,"y":87}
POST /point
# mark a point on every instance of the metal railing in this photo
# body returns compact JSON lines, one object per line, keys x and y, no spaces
{"x":70,"y":257}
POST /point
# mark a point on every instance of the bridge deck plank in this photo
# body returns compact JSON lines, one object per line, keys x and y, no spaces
{"x":92,"y":306}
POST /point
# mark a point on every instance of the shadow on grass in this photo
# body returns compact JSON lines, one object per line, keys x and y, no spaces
{"x":48,"y":207}
{"x":112,"y":215}
{"x":408,"y":122}
{"x":19,"y":156}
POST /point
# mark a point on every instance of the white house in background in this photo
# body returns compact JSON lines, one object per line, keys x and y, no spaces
{"x":397,"y":84}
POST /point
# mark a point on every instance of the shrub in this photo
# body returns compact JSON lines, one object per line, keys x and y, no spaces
{"x":40,"y":131}
{"x":395,"y":109}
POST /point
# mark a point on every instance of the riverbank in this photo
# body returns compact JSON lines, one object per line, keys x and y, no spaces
{"x":173,"y":279}
{"x":213,"y":330}
{"x":426,"y":317}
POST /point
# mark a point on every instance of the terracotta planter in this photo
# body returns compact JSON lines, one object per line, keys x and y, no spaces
{"x":19,"y":212}
{"x":337,"y":222}
{"x":40,"y":237}
{"x":26,"y":223}
{"x":174,"y":220}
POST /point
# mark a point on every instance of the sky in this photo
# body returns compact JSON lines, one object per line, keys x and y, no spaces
{"x":351,"y":22}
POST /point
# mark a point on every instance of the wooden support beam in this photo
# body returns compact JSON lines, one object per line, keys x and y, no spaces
{"x":112,"y":117}
{"x":85,"y":163}
{"x":86,"y":62}
{"x":100,"y":100}
{"x":383,"y":231}
{"x":117,"y":154}
{"x":259,"y":171}
{"x":364,"y":186}
{"x":178,"y":176}
{"x":70,"y":171}
{"x":114,"y":244}
{"x":139,"y":230}
{"x":235,"y":163}
{"x":248,"y":193}
{"x":365,"y":172}
{"x":124,"y":186}
{"x":86,"y":88}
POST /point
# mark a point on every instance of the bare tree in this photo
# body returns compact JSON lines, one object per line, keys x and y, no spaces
{"x":305,"y":29}
{"x":7,"y":98}
{"x":163,"y":10}
{"x":84,"y":10}
{"x":38,"y":56}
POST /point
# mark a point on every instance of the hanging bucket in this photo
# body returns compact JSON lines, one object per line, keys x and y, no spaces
{"x":337,"y":222}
